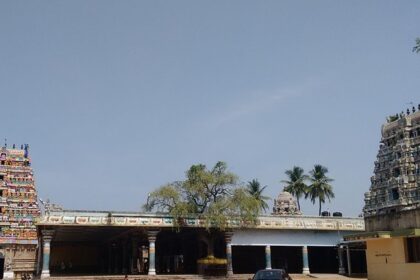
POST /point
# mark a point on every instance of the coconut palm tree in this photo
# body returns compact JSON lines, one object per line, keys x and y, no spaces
{"x":296,"y":183}
{"x":320,"y":187}
{"x":417,"y":46}
{"x":254,"y":189}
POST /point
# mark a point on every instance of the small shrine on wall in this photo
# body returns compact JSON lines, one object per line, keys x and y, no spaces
{"x":285,"y":204}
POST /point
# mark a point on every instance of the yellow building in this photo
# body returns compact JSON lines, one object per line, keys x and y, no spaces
{"x":391,"y":255}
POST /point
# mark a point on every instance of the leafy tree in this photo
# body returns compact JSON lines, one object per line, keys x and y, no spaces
{"x":296,"y":183}
{"x":255,"y":190}
{"x":320,"y":187}
{"x":416,"y":48}
{"x":212,"y":195}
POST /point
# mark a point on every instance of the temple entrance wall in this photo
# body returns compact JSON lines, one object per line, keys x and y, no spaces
{"x":247,"y":259}
{"x":130,"y":243}
{"x":96,"y":250}
{"x":85,"y":258}
{"x":318,"y":259}
{"x":323,"y":259}
{"x":127,"y":251}
{"x":357,"y":261}
{"x":177,"y":252}
{"x":287,"y":237}
{"x":18,"y":259}
{"x":289,"y":258}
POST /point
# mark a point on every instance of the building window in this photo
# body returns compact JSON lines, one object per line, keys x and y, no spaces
{"x":395,"y":194}
{"x":413,"y":249}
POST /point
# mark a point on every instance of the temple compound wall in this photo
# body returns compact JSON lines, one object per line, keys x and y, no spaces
{"x":80,"y":242}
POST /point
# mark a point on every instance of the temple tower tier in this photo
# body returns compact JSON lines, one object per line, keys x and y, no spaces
{"x":18,"y":211}
{"x":395,"y":185}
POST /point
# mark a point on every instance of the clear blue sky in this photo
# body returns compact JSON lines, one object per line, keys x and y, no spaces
{"x":117,"y":98}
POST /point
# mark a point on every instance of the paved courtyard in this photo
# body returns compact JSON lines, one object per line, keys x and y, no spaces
{"x":196,"y":277}
{"x":324,"y":276}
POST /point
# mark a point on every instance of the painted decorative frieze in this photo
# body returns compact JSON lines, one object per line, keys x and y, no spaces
{"x":265,"y":222}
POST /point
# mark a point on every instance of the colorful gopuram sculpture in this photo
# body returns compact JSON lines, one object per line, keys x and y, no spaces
{"x":18,"y":211}
{"x":285,"y":204}
{"x":395,"y":186}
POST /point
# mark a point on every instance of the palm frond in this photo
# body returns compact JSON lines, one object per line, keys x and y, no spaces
{"x":416,"y":48}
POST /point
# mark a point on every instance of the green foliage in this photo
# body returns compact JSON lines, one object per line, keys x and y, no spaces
{"x":416,"y":48}
{"x":296,"y":183}
{"x":212,"y":195}
{"x":254,"y":189}
{"x":244,"y":206}
{"x":320,"y":187}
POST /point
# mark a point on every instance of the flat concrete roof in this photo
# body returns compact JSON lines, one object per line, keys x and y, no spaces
{"x":161,"y":220}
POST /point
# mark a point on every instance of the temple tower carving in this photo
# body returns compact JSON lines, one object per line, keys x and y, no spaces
{"x":18,"y":211}
{"x":395,"y":185}
{"x":285,"y":204}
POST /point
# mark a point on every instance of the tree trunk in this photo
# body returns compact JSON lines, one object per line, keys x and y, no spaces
{"x":210,"y":246}
{"x":298,"y":203}
{"x":320,"y":207}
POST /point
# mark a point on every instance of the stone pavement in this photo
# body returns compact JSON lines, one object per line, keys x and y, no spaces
{"x":197,"y":277}
{"x":149,"y":277}
{"x":324,"y":276}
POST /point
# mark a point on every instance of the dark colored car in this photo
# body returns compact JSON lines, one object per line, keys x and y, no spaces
{"x":271,"y":274}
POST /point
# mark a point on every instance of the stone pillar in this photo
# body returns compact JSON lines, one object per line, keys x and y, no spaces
{"x":38,"y":256}
{"x":341,"y":269}
{"x":151,"y":236}
{"x":47,"y":236}
{"x":8,"y":269}
{"x":228,"y":239}
{"x":348,"y":261}
{"x":268,"y":257}
{"x":305,"y":260}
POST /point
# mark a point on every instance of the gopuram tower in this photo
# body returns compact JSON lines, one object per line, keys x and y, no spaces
{"x":18,"y":211}
{"x":393,"y":200}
